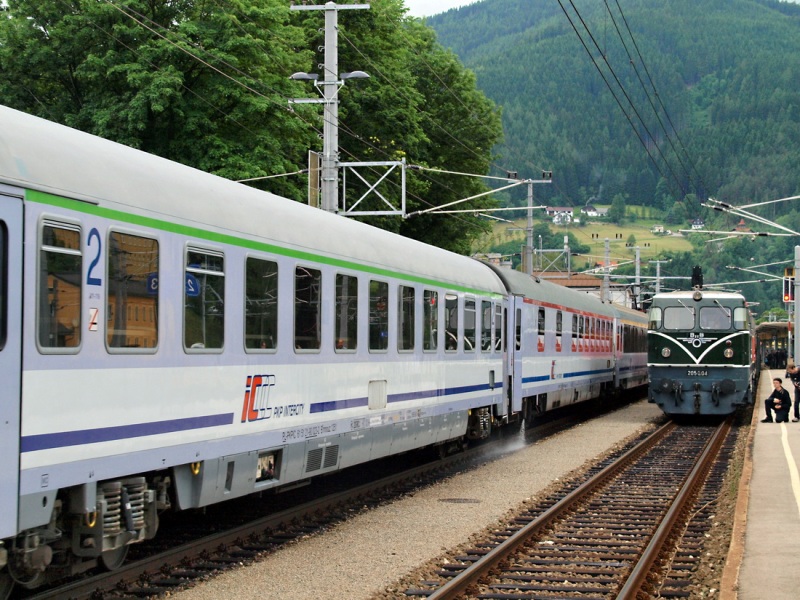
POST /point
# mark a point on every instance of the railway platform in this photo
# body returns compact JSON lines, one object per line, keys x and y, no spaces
{"x":764,"y":559}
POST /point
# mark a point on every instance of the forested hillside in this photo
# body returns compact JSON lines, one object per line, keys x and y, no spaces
{"x":705,"y":103}
{"x":726,"y":71}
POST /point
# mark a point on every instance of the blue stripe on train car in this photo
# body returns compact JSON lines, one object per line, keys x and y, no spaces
{"x":319,"y":407}
{"x":46,"y":441}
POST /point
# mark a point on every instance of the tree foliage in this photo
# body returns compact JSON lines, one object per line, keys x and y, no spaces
{"x":724,"y":69}
{"x":206,"y":83}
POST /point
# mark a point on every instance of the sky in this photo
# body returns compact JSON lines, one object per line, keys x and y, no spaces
{"x":426,"y":8}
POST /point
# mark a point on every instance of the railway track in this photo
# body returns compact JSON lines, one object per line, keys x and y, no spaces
{"x":618,"y":534}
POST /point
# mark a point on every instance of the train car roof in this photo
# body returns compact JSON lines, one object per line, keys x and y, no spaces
{"x":689,"y":294}
{"x":541,"y":290}
{"x":36,"y":154}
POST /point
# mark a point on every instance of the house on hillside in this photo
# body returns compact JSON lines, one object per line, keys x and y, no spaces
{"x":657,"y":229}
{"x":552,"y":211}
{"x":742,"y":227}
{"x":698,"y":223}
{"x":589,"y":211}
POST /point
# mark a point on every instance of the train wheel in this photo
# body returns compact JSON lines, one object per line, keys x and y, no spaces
{"x":6,"y":585}
{"x":113,"y":559}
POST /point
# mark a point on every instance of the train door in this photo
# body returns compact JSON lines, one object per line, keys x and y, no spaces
{"x":514,"y":331}
{"x":10,"y":358}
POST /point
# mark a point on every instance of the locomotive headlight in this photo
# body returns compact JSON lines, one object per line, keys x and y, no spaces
{"x":728,"y":353}
{"x":665,"y":352}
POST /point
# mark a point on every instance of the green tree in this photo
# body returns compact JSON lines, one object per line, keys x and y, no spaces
{"x":206,"y":84}
{"x":616,"y":214}
{"x":202,"y":83}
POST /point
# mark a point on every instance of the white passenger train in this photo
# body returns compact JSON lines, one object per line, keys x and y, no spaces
{"x":170,"y":339}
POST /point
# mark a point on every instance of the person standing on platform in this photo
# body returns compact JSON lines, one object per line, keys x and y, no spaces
{"x":793,"y":373}
{"x":779,"y":401}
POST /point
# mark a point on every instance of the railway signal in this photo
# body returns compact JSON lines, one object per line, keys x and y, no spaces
{"x":788,"y":284}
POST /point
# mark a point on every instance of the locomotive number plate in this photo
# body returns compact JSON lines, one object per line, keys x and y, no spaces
{"x":696,"y":373}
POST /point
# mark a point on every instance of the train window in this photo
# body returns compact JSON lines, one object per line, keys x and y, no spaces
{"x":559,"y":330}
{"x":405,"y":318}
{"x":540,"y":322}
{"x":740,"y":318}
{"x":204,"y":302}
{"x":451,"y":322}
{"x":132,"y":282}
{"x":498,"y":345}
{"x":574,"y":328}
{"x":678,"y":317}
{"x":715,"y":317}
{"x":518,"y":330}
{"x":346,"y":312}
{"x":378,"y":315}
{"x":307,"y":308}
{"x":486,"y":326}
{"x":61,"y":270}
{"x":3,"y":284}
{"x":260,"y":304}
{"x":430,"y":320}
{"x":469,"y":325}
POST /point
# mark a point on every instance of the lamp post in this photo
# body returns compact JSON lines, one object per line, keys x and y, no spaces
{"x":329,"y":89}
{"x":331,"y":82}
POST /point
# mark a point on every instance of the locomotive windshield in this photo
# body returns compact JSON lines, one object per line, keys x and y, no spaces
{"x":715,"y":317}
{"x":679,"y":317}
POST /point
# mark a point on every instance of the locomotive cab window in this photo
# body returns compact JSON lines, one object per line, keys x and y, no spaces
{"x":60,"y":277}
{"x":715,"y":317}
{"x":740,"y":318}
{"x":654,"y":318}
{"x":132,"y":292}
{"x":307,"y":308}
{"x":204,"y":301}
{"x":260,"y":305}
{"x":678,"y":317}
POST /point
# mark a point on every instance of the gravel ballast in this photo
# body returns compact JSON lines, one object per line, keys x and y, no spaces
{"x":361,"y":557}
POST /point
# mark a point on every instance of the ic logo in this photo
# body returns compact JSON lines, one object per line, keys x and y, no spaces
{"x":256,"y":398}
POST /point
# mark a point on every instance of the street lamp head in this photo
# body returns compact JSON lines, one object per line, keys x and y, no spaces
{"x":354,"y":75}
{"x":300,"y":76}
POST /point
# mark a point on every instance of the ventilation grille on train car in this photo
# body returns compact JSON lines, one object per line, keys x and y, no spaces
{"x":322,"y":457}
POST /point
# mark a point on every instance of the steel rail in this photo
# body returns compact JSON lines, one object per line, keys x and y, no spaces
{"x":470,"y":576}
{"x":638,"y":576}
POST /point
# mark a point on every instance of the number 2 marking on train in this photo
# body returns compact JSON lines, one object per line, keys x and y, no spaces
{"x":90,"y":280}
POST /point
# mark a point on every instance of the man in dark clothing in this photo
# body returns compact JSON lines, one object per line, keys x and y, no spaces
{"x":793,"y":373}
{"x":779,"y":401}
